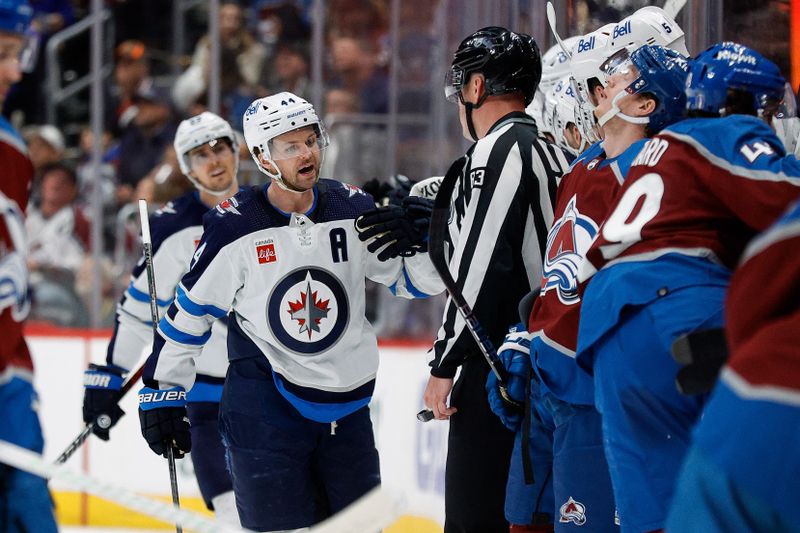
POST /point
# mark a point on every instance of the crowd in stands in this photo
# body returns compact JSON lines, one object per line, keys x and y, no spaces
{"x":264,"y":48}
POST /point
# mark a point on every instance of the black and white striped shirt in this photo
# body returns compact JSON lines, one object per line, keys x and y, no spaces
{"x":501,"y":212}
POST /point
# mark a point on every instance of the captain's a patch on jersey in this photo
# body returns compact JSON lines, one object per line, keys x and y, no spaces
{"x":228,"y":206}
{"x":265,"y":251}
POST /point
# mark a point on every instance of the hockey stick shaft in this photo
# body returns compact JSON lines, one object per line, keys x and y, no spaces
{"x":439,"y":227}
{"x":377,"y":509}
{"x":551,"y":19}
{"x":673,"y":7}
{"x":147,"y":244}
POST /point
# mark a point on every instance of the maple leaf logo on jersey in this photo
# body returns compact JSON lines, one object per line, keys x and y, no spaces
{"x":308,"y":311}
{"x":567,"y":243}
{"x":572,"y":511}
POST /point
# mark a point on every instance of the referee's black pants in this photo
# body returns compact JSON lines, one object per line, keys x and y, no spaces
{"x":478,"y":456}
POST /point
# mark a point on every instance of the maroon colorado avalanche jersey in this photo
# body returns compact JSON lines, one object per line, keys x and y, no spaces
{"x":16,"y":173}
{"x":584,"y":197}
{"x":701,"y":188}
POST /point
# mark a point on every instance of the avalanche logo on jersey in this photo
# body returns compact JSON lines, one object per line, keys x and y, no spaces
{"x":567,"y":243}
{"x":572,"y":511}
{"x":308,"y":311}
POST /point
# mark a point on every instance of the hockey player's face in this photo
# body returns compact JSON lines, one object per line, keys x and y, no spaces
{"x":214,"y":165}
{"x":298,"y":156}
{"x":10,"y":72}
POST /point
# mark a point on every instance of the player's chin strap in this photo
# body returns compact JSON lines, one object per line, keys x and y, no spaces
{"x":615,"y":112}
{"x":277,"y":177}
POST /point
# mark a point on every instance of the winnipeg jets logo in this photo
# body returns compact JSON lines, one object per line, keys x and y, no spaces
{"x":572,"y":511}
{"x":308,"y":310}
{"x":567,"y":243}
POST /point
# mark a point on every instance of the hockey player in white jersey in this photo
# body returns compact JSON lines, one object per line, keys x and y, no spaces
{"x":207,"y":151}
{"x":286,"y":260}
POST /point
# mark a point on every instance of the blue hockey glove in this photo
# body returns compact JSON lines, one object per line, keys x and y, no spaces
{"x":514,"y":354}
{"x":101,"y":395}
{"x":162,"y":415}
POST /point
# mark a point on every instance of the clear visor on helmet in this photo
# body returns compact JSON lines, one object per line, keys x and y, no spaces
{"x":299,"y":143}
{"x":582,"y":96}
{"x":24,"y":52}
{"x":453,"y":83}
{"x":786,"y":108}
{"x":200,"y":155}
{"x":621,"y":66}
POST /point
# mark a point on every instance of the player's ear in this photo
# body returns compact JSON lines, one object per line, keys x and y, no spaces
{"x":266,"y":163}
{"x":476,"y":86}
{"x":646,"y":105}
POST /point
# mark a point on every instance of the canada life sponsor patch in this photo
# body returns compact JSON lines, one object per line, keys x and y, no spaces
{"x":308,"y":310}
{"x":265,"y":251}
{"x":572,"y":511}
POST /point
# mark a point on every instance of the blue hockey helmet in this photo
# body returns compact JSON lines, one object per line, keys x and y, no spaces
{"x":731,"y":66}
{"x":655,"y":70}
{"x":15,"y":16}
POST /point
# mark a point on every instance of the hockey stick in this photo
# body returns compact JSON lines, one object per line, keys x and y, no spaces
{"x":551,"y":19}
{"x":377,"y":509}
{"x":436,"y":242}
{"x":33,"y":463}
{"x":147,"y":244}
{"x":673,"y":7}
{"x":104,"y":421}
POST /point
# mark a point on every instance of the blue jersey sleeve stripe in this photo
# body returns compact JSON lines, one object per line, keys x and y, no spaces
{"x":415,"y":292}
{"x":181,"y":337}
{"x":140,"y":296}
{"x":196,"y":309}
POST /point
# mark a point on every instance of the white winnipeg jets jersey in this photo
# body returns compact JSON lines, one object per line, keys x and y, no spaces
{"x":176,"y":229}
{"x":296,"y":286}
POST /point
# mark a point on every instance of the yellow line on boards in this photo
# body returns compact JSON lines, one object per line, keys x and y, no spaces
{"x":79,"y":509}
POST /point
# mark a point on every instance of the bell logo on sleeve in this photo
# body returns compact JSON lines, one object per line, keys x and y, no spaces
{"x":265,"y":252}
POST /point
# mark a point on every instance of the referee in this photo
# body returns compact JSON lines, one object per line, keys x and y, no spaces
{"x":500,"y":216}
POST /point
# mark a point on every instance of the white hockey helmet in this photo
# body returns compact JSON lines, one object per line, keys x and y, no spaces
{"x":587,"y":56}
{"x":199,"y":130}
{"x":648,"y":25}
{"x":564,"y":114}
{"x":272,"y":116}
{"x":556,"y":63}
{"x":536,"y":110}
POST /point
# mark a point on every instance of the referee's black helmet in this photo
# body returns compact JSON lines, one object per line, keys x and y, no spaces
{"x":509,"y":62}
